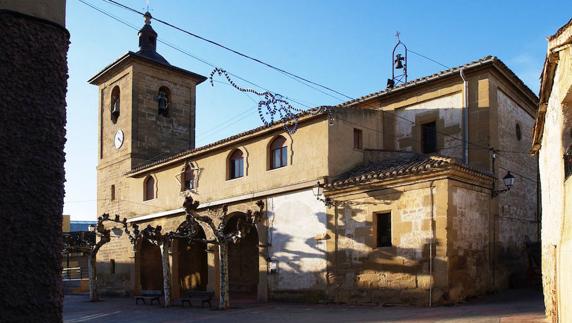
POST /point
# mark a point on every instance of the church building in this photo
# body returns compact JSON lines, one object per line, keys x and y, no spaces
{"x":394,"y":197}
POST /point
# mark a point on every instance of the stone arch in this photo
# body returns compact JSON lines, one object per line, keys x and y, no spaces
{"x":288,"y":143}
{"x":189,"y":184}
{"x":245,"y":161}
{"x":150,"y":268}
{"x":243,"y":262}
{"x":115,"y":103}
{"x":150,"y":187}
{"x":192,"y":264}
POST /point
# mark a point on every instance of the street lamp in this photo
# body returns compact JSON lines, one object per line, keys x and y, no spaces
{"x":318,"y":191}
{"x":508,"y":181}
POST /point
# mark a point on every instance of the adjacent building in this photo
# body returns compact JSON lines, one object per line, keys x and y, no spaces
{"x":552,"y":143}
{"x":396,"y":197}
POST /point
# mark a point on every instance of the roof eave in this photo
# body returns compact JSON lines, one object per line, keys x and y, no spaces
{"x":451,"y":73}
{"x":132,"y":55}
{"x":216,"y":145}
{"x":452,"y":171}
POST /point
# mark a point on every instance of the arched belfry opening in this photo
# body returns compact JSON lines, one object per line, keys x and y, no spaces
{"x":192,"y":264}
{"x":243,"y":262}
{"x":151,"y":271}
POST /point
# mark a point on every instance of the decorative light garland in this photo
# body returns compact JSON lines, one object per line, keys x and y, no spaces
{"x":273,"y":105}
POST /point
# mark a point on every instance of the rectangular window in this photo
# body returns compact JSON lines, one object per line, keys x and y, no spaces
{"x":189,"y":184}
{"x":112,"y":266}
{"x":429,"y":137}
{"x":279,"y":157}
{"x":113,"y":192}
{"x":237,"y":168}
{"x":383,"y":229}
{"x":358,"y":139}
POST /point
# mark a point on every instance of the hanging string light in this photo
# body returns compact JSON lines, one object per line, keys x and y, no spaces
{"x":273,"y":107}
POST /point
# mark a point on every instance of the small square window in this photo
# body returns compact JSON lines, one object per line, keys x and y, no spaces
{"x":358,"y":139}
{"x":383,"y":229}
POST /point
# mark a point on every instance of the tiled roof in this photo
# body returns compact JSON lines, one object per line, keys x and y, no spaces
{"x":220,"y":142}
{"x":147,"y":58}
{"x":414,"y":164}
{"x":449,"y":72}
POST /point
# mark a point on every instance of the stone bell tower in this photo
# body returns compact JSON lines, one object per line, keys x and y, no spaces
{"x":146,"y":112}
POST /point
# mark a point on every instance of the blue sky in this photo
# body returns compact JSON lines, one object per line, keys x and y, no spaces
{"x":345,"y":45}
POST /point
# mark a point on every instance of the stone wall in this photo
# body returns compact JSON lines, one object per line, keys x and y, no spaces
{"x":468,"y":241}
{"x":157,"y":136}
{"x":33,"y":83}
{"x":445,"y":111}
{"x":416,"y":263}
{"x":517,"y":219}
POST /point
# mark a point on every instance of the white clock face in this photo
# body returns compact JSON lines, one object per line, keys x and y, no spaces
{"x":118,"y":139}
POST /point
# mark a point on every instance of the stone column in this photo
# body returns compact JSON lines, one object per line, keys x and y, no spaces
{"x":33,"y":83}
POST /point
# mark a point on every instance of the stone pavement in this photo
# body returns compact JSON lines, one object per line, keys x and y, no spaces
{"x":509,"y":306}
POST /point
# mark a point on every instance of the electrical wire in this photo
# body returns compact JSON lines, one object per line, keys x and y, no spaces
{"x":275,"y":68}
{"x":230,"y":49}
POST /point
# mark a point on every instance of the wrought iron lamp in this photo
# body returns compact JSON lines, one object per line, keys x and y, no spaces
{"x":318,"y":191}
{"x":508,"y":181}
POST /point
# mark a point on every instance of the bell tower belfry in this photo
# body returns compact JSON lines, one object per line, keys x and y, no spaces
{"x":146,"y":112}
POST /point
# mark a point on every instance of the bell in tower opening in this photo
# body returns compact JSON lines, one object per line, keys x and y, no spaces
{"x":163,"y":101}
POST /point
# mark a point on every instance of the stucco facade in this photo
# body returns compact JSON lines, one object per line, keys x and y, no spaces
{"x":446,"y":234}
{"x":552,"y":141}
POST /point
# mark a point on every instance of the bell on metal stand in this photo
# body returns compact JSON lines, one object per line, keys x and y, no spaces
{"x":399,"y":62}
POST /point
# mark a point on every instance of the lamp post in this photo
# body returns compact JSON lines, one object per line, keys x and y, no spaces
{"x":508,"y":181}
{"x":318,"y":191}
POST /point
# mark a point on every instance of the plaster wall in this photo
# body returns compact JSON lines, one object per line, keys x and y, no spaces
{"x":556,"y":192}
{"x":342,"y":156}
{"x":296,"y":234}
{"x":446,"y":111}
{"x":307,"y":161}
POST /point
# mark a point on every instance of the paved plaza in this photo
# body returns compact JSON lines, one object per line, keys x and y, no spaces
{"x":508,"y":306}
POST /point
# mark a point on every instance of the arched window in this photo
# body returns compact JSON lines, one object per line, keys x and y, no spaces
{"x":188,"y":178}
{"x":278,"y":153}
{"x":236,"y":164}
{"x":149,"y":188}
{"x":163,"y":100}
{"x":115,"y":104}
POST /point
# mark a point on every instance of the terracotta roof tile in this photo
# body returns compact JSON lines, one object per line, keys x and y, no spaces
{"x":400,"y":166}
{"x":451,"y":71}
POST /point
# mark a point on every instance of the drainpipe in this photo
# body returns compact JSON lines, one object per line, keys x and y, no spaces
{"x":465,"y":118}
{"x":431,"y":243}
